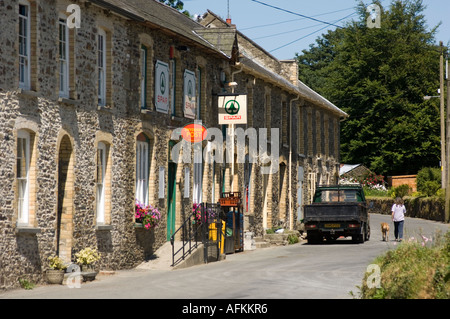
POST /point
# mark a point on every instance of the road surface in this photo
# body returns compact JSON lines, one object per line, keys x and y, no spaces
{"x":300,"y":271}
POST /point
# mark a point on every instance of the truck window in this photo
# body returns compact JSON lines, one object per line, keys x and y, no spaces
{"x":335,"y":196}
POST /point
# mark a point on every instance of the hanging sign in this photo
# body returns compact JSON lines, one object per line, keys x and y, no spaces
{"x":194,"y":133}
{"x":162,"y":87}
{"x":189,"y":94}
{"x":232,"y":109}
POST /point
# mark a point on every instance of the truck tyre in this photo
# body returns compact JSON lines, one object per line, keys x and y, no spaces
{"x":314,"y":238}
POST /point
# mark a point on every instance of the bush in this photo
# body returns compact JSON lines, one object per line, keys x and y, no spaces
{"x":400,"y":191}
{"x":429,"y":180}
{"x":417,"y":269}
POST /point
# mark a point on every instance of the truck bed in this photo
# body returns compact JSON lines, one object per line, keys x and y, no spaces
{"x":322,"y":212}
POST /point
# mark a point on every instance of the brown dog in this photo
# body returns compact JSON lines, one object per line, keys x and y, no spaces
{"x":385,"y":231}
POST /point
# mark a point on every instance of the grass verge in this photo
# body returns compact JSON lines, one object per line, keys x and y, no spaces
{"x":416,"y":269}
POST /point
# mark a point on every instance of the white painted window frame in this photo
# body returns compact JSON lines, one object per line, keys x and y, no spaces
{"x":23,"y":184}
{"x":24,"y":46}
{"x":63,"y":47}
{"x":142,"y":171}
{"x":101,"y":67}
{"x":101,"y":169}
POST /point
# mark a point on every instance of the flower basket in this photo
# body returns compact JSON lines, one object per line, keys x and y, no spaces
{"x":87,"y":257}
{"x":146,"y":215}
{"x":55,"y":275}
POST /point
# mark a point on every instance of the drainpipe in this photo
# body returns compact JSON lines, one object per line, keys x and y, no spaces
{"x":291,"y":219}
{"x":232,"y":128}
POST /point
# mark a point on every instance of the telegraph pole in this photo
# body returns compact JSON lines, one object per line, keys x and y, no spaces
{"x":447,"y":169}
{"x":443,"y":135}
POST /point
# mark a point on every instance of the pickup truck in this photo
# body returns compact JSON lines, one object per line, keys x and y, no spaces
{"x":337,"y":211}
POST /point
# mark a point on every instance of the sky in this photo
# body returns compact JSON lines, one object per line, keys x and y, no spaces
{"x":284,"y":34}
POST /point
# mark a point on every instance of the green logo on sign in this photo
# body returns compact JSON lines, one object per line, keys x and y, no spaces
{"x":232,"y":107}
{"x":162,"y":83}
{"x":190,"y":90}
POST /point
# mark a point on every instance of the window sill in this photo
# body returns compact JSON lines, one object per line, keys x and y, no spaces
{"x":104,"y":227}
{"x":22,"y":230}
{"x":105,"y":108}
{"x":68,"y":101}
{"x":28,"y":93}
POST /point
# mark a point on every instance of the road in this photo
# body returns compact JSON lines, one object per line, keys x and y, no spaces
{"x":300,"y":271}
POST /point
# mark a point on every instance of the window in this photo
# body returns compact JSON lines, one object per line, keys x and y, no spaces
{"x":198,"y":175}
{"x":24,"y":46}
{"x":142,"y":168}
{"x":101,"y":67}
{"x":22,"y":176}
{"x":63,"y":59}
{"x":143,"y":77}
{"x":101,"y":172}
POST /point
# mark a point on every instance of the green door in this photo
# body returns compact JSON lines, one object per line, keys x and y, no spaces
{"x":171,"y":199}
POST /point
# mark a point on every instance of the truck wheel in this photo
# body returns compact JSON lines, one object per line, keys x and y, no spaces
{"x":367,"y":232}
{"x":359,"y":238}
{"x":314,"y":238}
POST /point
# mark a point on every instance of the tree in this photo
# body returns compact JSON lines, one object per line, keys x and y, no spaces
{"x":379,"y":76}
{"x":176,"y":4}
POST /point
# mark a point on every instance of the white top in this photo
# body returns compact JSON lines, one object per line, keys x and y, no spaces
{"x":399,"y":212}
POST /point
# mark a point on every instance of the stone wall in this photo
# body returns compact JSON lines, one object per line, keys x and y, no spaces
{"x":425,"y":208}
{"x":64,"y":136}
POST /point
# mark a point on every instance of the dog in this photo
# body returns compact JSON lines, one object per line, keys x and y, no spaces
{"x":385,"y":231}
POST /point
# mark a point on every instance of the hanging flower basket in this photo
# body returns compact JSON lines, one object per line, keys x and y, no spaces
{"x":147,"y":215}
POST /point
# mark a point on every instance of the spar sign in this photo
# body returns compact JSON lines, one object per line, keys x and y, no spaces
{"x":232,"y":109}
{"x":189,"y":94}
{"x":162,"y":87}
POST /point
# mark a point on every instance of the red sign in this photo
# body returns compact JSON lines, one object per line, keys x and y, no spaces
{"x":194,"y":133}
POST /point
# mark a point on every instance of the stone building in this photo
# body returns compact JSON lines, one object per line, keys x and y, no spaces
{"x":91,"y":97}
{"x":308,"y":125}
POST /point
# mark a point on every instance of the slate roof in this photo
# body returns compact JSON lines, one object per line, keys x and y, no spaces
{"x":160,"y":16}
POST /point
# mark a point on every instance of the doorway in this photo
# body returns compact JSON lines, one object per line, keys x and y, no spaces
{"x":171,"y":194}
{"x":65,"y":208}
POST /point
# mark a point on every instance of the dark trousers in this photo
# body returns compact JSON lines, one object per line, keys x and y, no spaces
{"x":398,"y":232}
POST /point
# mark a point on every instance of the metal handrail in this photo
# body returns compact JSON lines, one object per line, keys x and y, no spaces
{"x":187,"y":237}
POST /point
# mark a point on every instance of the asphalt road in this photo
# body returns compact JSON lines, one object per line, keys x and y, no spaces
{"x":300,"y":271}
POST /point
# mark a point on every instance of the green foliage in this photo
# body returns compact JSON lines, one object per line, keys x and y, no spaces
{"x":379,"y":77}
{"x":429,"y":181}
{"x":176,"y":4}
{"x":292,"y":239}
{"x":26,"y":284}
{"x":400,"y":191}
{"x":417,"y":269}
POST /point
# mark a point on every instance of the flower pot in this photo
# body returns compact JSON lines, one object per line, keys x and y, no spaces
{"x":88,"y":272}
{"x":55,"y":276}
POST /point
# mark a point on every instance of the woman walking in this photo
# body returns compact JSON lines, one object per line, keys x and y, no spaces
{"x":398,"y":217}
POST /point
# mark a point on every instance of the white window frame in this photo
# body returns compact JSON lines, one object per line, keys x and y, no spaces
{"x":101,"y":169}
{"x":24,"y":47}
{"x":142,"y":171}
{"x":144,"y":53}
{"x":101,"y":67}
{"x":197,"y":192}
{"x":63,"y":47}
{"x":23,"y":184}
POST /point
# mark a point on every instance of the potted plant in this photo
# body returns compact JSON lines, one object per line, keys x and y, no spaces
{"x":86,"y":259}
{"x":55,"y":275}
